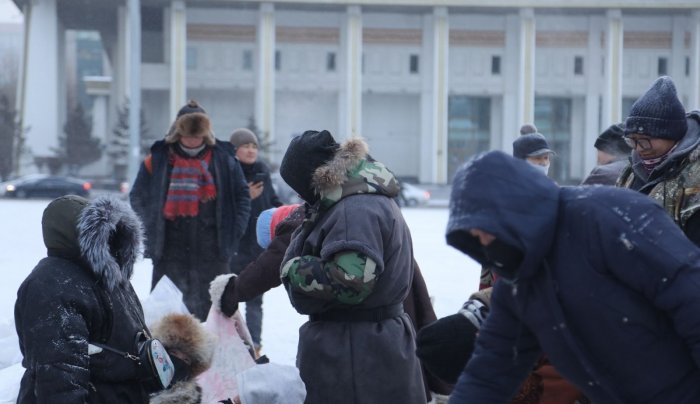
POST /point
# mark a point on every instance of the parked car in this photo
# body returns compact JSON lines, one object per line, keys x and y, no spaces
{"x":412,"y":195}
{"x":46,"y":186}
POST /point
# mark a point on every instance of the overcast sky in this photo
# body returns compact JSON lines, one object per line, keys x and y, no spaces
{"x":9,"y":12}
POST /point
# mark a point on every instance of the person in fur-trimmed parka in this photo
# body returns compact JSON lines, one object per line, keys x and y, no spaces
{"x":192,"y":196}
{"x":349,"y":267}
{"x":191,"y":348}
{"x":79,"y":294}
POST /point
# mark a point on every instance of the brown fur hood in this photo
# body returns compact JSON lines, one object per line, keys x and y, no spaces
{"x":196,"y":124}
{"x":184,"y":336}
{"x":352,"y":170}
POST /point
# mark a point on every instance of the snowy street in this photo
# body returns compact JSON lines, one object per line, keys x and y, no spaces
{"x":451,"y":277}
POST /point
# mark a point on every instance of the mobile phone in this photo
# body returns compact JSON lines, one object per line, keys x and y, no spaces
{"x":259,"y":177}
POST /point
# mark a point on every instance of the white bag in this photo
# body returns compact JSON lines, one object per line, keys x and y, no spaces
{"x":232,"y":355}
{"x":165,"y":298}
{"x":271,"y":383}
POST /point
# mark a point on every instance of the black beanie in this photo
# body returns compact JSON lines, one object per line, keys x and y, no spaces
{"x":304,"y":155}
{"x":530,"y":145}
{"x":191,"y":107}
{"x":658,"y":113}
{"x":612,"y":141}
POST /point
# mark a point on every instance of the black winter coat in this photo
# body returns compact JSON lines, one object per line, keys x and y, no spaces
{"x":67,"y":302}
{"x":232,"y":203}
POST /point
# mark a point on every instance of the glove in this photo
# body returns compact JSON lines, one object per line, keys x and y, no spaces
{"x":229,"y":299}
{"x":445,"y":346}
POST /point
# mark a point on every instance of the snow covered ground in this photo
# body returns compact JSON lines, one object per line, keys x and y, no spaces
{"x":451,"y":276}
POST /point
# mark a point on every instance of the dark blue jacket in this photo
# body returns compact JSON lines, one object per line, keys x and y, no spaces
{"x":609,"y":288}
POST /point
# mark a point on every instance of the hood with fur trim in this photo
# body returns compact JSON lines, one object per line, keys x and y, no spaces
{"x":195,"y":124}
{"x":105,"y":234}
{"x":353,"y":171}
{"x":185,"y":337}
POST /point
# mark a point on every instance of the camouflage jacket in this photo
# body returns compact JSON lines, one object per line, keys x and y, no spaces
{"x":349,"y":275}
{"x":675,"y":184}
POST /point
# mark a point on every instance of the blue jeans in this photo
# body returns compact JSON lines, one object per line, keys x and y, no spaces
{"x":253,"y":318}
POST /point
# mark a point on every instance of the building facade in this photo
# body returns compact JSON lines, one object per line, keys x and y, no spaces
{"x":428,"y":86}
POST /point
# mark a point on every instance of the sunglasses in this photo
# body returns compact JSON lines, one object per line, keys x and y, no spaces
{"x":642,"y":143}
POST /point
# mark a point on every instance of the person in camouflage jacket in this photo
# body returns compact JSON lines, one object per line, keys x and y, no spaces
{"x":665,"y":161}
{"x":349,"y":267}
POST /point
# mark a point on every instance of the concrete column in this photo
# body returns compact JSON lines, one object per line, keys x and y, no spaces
{"x":41,"y":88}
{"x":614,"y":36}
{"x":434,"y":97}
{"x":694,"y":96}
{"x":123,"y":57}
{"x":265,"y":88}
{"x":350,"y":103}
{"x":677,"y":60}
{"x":511,"y":81}
{"x":178,"y":56}
{"x":591,"y":124}
{"x":526,"y":82}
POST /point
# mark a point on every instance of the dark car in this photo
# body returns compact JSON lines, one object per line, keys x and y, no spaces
{"x":46,"y":187}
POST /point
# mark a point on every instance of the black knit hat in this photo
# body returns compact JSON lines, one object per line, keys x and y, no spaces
{"x":190,"y":108}
{"x":658,"y":113}
{"x":304,"y":155}
{"x":612,"y":141}
{"x":531,"y":143}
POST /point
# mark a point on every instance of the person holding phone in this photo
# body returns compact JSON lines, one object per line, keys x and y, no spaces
{"x":262,"y":197}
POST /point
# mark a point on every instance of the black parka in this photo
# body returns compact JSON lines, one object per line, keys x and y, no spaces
{"x":80,"y":294}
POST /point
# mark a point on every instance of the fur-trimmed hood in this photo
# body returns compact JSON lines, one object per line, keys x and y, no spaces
{"x":353,"y":171}
{"x":105,"y":234}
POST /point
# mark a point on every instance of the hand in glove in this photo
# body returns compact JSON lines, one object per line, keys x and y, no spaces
{"x":229,"y":299}
{"x":445,"y":346}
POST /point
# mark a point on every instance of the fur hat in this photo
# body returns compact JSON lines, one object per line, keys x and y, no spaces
{"x":530,"y":143}
{"x":185,"y":337}
{"x":243,"y":136}
{"x":192,"y":120}
{"x":658,"y":113}
{"x":612,"y":141}
{"x":304,"y":155}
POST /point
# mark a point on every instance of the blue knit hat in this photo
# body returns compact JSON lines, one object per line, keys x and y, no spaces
{"x":262,"y":228}
{"x":530,"y":143}
{"x":658,"y":113}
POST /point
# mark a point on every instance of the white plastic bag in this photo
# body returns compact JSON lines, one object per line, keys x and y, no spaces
{"x":232,"y":355}
{"x":271,"y":383}
{"x":165,"y":298}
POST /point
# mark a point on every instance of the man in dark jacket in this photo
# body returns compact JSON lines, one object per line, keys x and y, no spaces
{"x":81,"y":294}
{"x":191,"y":194}
{"x":665,"y":162}
{"x":598,"y":278}
{"x":613,"y":155}
{"x":263,"y":197}
{"x":349,"y":267}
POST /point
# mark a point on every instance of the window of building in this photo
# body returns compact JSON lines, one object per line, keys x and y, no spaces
{"x":247,"y":59}
{"x":413,"y":64}
{"x":330,"y":61}
{"x":578,"y":65}
{"x":192,"y":54}
{"x":468,"y":129}
{"x":278,"y":60}
{"x":662,"y":66}
{"x":495,"y":65}
{"x":687,"y":66}
{"x":553,"y":120}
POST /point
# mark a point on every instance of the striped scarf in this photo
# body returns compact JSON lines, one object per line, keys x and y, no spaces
{"x":190,"y":183}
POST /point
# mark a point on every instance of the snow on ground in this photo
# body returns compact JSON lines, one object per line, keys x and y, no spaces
{"x":451,"y":276}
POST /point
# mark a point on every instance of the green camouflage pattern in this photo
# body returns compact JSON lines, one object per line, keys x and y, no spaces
{"x":367,"y":177}
{"x":678,"y":195}
{"x":349,"y":278}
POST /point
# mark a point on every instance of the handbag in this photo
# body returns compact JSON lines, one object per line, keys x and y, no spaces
{"x":155,"y":368}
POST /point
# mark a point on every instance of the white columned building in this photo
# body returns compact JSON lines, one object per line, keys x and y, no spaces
{"x":178,"y":56}
{"x":614,"y":37}
{"x":350,"y":94}
{"x":526,"y":63}
{"x":265,"y":88}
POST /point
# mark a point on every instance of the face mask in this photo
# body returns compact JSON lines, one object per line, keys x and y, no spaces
{"x":543,"y":169}
{"x":502,"y":258}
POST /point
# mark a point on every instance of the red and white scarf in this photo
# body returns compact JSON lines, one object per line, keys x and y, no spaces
{"x":190,"y":183}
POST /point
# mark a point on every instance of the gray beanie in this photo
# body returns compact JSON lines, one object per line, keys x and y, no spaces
{"x":658,"y":113}
{"x":243,"y":136}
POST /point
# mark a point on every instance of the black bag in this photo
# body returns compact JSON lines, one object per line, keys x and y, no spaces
{"x":155,"y":368}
